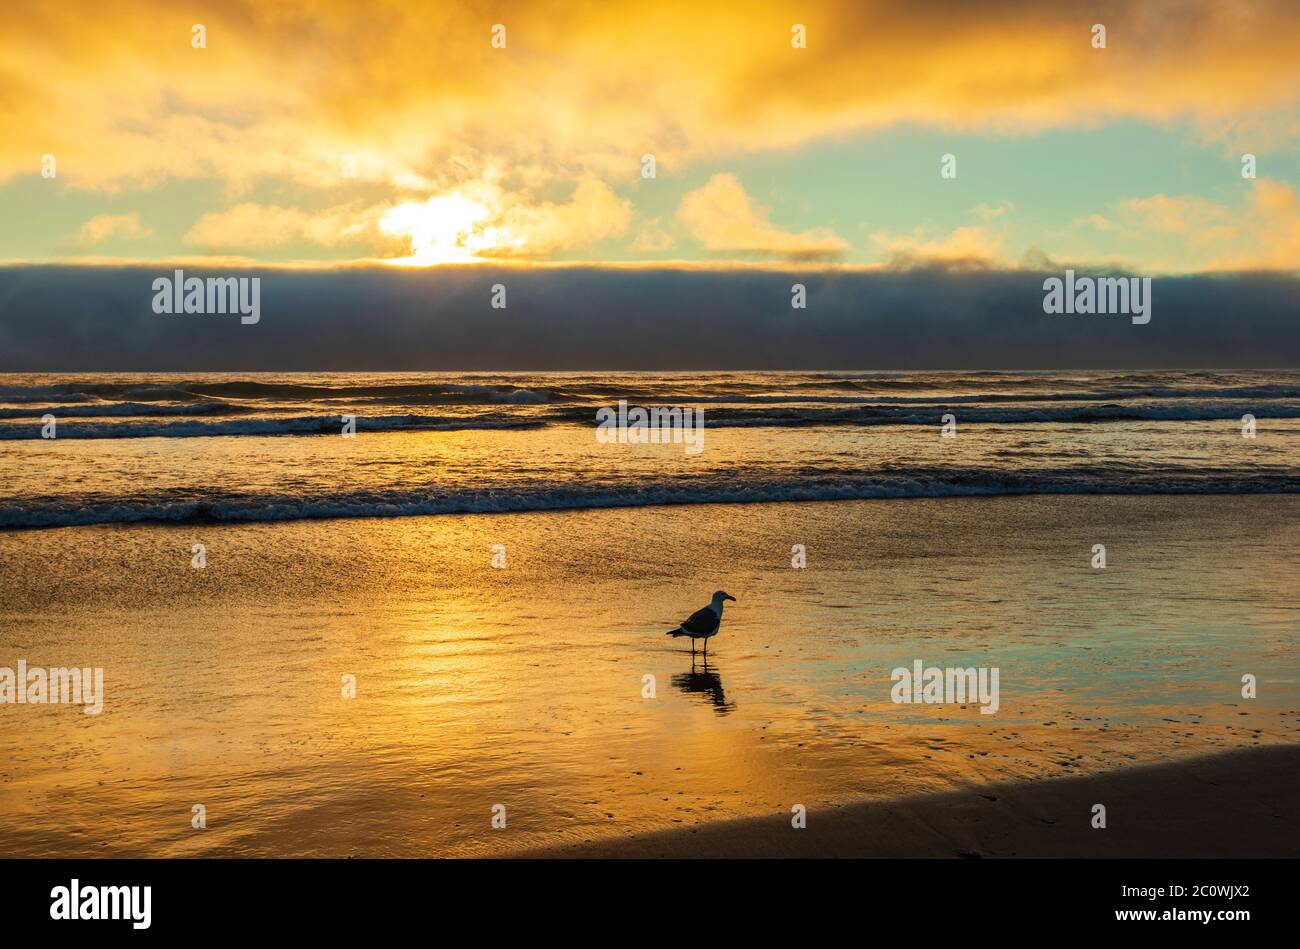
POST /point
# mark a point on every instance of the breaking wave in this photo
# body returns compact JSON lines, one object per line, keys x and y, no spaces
{"x":409,"y":502}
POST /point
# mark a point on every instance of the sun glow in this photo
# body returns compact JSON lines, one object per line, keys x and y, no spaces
{"x":449,"y":228}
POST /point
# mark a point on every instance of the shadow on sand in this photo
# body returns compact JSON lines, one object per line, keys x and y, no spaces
{"x":1238,"y":804}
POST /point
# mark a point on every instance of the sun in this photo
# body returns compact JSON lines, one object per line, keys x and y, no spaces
{"x":445,"y":229}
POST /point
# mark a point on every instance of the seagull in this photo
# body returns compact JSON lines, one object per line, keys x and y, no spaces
{"x":705,"y":622}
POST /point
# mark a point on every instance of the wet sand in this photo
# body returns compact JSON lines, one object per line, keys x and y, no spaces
{"x":526,"y":686}
{"x":1236,"y":804}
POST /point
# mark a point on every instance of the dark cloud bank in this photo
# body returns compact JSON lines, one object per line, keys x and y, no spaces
{"x":75,"y":319}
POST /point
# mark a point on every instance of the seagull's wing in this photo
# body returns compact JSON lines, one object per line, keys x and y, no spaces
{"x":701,"y":622}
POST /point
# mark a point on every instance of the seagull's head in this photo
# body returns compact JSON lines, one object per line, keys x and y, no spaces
{"x":723,"y":595}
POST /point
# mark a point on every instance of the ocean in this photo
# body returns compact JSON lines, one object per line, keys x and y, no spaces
{"x":263,"y":447}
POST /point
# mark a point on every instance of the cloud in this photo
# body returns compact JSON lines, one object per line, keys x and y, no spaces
{"x":103,"y":226}
{"x":558,"y":318}
{"x":991,"y":212}
{"x":472,"y":222}
{"x":1099,"y":221}
{"x":1259,"y":232}
{"x":250,"y":226}
{"x":592,"y":215}
{"x":481,"y":221}
{"x":965,"y":247}
{"x":651,"y":238}
{"x":1172,"y":215}
{"x":721,"y":216}
{"x":1272,"y":219}
{"x":285,"y":90}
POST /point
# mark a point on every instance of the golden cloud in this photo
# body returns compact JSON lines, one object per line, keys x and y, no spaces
{"x":473,"y":222}
{"x":478,"y":221}
{"x":103,"y":226}
{"x":722,"y":217}
{"x":255,"y":226}
{"x":652,"y":238}
{"x":417,"y":95}
{"x":1260,"y":232}
{"x":962,"y":248}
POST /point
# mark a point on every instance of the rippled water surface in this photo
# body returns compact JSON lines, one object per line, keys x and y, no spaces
{"x":527,"y":687}
{"x":269,"y":447}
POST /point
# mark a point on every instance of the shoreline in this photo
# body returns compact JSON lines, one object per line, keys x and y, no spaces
{"x":208,"y":521}
{"x":1235,"y":804}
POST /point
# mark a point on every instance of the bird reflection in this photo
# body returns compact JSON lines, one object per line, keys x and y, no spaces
{"x":703,"y":680}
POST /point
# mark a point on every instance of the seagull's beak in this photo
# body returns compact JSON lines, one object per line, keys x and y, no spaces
{"x":728,"y":596}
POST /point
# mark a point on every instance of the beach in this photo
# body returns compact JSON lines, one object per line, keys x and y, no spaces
{"x":526,"y":686}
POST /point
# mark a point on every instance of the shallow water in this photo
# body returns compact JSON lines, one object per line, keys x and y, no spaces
{"x":523,"y":686}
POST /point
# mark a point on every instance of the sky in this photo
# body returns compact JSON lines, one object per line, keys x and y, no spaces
{"x":334,"y":132}
{"x":810,"y":139}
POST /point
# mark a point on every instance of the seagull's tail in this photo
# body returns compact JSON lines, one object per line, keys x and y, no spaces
{"x":676,"y":632}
